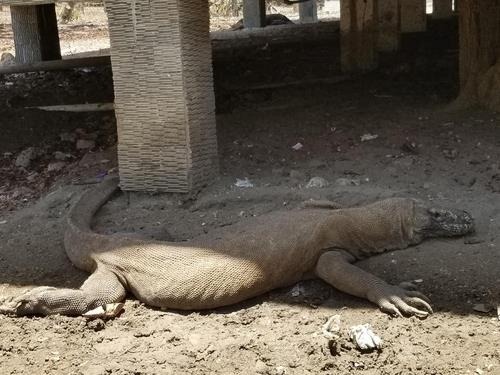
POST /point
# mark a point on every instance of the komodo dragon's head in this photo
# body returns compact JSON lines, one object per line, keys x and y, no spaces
{"x":442,"y":222}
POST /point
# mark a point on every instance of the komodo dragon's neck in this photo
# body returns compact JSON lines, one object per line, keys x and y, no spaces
{"x":392,"y":224}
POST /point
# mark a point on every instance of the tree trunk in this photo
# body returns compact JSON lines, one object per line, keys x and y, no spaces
{"x":479,"y":54}
{"x":36,"y":37}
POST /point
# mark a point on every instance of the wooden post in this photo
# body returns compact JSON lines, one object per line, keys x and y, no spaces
{"x":442,"y":8}
{"x":389,"y":35}
{"x":358,"y":35}
{"x":36,"y":37}
{"x":413,"y":16}
{"x":308,"y":12}
{"x":254,"y":13}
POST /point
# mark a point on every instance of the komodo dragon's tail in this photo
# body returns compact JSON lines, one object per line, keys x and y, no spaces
{"x":79,"y":239}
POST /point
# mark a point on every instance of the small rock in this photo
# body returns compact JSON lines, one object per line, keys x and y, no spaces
{"x":67,"y":137}
{"x":280,"y":370}
{"x":473,"y":240}
{"x":483,"y":308}
{"x":85,"y":144}
{"x":297,"y":290}
{"x":260,"y":367}
{"x":347,"y":182}
{"x":368,"y":137}
{"x":245,"y":183}
{"x":96,"y":324}
{"x":317,"y":182}
{"x":62,"y":156}
{"x":297,"y":146}
{"x":7,"y":59}
{"x":26,"y":156}
{"x":410,"y":147}
{"x":450,"y":153}
{"x":56,"y":166}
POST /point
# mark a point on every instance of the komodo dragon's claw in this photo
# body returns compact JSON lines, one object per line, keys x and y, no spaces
{"x":26,"y":303}
{"x":398,"y":301}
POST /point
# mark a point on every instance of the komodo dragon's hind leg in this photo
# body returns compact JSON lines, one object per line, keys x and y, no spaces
{"x":335,"y":268}
{"x":101,"y":288}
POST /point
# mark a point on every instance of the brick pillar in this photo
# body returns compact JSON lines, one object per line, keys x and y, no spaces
{"x":164,"y":98}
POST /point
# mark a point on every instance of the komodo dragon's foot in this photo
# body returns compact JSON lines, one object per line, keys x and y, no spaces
{"x":398,"y":301}
{"x":31,"y":302}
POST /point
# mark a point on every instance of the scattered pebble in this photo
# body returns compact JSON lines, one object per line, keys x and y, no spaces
{"x":348,"y":181}
{"x":62,"y":156}
{"x":96,"y":324}
{"x":245,"y":183}
{"x":364,"y":338}
{"x":56,"y":166}
{"x":368,"y":137}
{"x":85,"y":144}
{"x":26,"y":156}
{"x":7,"y":59}
{"x":317,"y":182}
{"x":297,"y":146}
{"x":67,"y":137}
{"x":482,"y":307}
{"x":297,"y":290}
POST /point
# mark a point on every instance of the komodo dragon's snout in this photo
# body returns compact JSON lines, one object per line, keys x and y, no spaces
{"x":447,"y":223}
{"x":245,"y":260}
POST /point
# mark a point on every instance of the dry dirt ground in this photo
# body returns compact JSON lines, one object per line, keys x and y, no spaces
{"x":451,"y":159}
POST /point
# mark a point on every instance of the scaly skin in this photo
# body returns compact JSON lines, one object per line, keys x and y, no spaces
{"x":244,"y":260}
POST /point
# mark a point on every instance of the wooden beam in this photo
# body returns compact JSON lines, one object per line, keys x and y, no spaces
{"x":56,"y":65}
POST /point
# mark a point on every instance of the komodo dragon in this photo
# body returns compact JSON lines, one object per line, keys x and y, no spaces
{"x":244,"y":260}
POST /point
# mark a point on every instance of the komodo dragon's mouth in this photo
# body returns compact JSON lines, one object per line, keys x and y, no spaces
{"x":448,"y":222}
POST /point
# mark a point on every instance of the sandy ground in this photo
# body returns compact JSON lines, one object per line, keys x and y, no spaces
{"x":450,"y":159}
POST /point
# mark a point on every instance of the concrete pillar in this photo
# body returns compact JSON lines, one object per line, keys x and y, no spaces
{"x":36,"y":37}
{"x":442,"y":8}
{"x":164,"y":98}
{"x":254,"y":13}
{"x":308,"y":12}
{"x":389,"y":35}
{"x":413,"y":16}
{"x":358,"y":35}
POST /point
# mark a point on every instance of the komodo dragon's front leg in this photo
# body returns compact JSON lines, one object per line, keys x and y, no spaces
{"x":335,"y":268}
{"x":101,"y":288}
